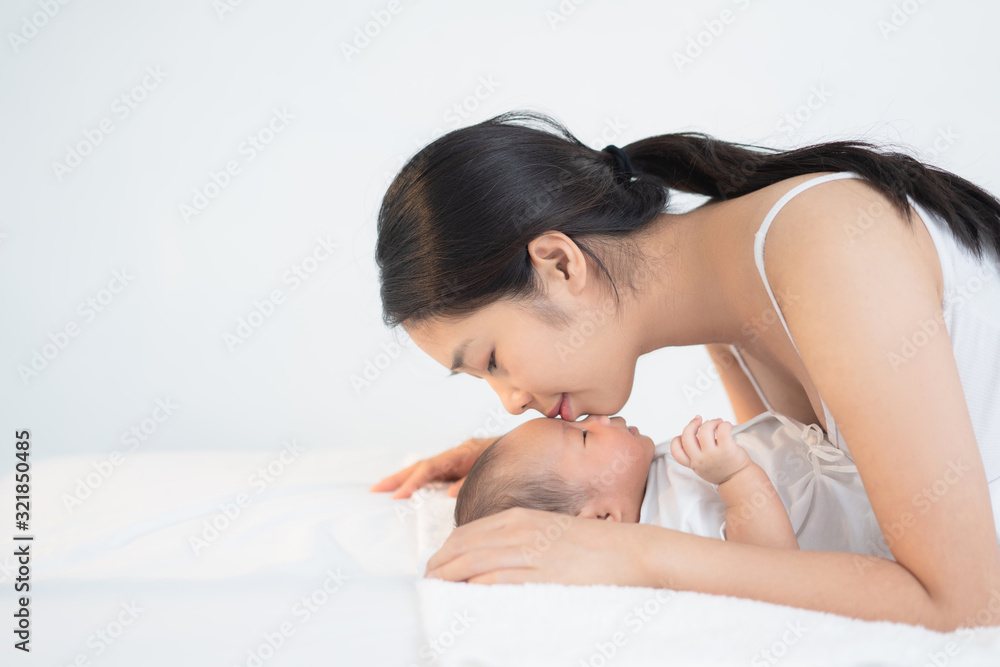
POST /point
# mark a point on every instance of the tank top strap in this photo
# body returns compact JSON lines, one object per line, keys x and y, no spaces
{"x":761,"y":235}
{"x":759,"y":238}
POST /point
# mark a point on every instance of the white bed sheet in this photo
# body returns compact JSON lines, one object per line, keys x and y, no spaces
{"x":315,"y":532}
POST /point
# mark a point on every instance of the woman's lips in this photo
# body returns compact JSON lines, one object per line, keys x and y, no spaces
{"x":555,"y":410}
{"x":565,"y":410}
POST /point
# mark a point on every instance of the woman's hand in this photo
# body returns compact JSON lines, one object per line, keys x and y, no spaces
{"x":522,"y":545}
{"x":451,"y":464}
{"x":710,"y":450}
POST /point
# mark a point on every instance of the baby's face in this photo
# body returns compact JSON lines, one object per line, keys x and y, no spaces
{"x":602,"y":451}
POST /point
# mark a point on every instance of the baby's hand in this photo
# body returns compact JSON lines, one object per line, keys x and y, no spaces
{"x":709,"y":450}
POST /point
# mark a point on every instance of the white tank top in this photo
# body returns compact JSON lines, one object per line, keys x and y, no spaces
{"x":971,"y":309}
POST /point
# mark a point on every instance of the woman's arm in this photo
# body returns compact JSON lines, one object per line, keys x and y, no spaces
{"x":743,"y":397}
{"x":868,"y":325}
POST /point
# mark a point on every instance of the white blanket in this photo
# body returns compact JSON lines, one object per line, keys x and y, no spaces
{"x":594,"y":626}
{"x":314,"y":569}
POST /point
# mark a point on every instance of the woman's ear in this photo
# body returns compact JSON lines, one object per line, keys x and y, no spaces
{"x":559,"y":262}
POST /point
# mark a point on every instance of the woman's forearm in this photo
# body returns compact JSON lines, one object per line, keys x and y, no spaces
{"x":864,"y":587}
{"x":754,"y":511}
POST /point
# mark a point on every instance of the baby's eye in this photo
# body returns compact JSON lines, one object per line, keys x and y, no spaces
{"x":585,"y":437}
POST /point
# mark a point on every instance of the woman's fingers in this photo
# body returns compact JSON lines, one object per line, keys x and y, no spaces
{"x":454,"y":488}
{"x":392,"y":481}
{"x":480,"y":562}
{"x":448,"y":465}
{"x":420,"y":476}
{"x":488,"y":533}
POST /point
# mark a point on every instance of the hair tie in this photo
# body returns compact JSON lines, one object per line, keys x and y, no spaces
{"x":624,"y":172}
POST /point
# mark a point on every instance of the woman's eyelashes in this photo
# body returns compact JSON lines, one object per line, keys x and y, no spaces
{"x":492,"y":363}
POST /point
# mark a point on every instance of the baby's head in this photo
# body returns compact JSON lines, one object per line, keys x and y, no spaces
{"x":593,"y":468}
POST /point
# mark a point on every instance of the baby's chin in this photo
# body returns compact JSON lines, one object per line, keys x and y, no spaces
{"x":650,"y":446}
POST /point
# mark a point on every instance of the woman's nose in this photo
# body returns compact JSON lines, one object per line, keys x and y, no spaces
{"x":515,"y":401}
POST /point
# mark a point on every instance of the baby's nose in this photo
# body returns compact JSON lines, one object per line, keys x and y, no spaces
{"x":600,"y":419}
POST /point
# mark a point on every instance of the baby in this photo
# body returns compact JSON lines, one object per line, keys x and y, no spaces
{"x":703,"y":481}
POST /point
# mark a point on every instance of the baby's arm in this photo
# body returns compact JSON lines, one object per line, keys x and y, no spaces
{"x":712,"y":452}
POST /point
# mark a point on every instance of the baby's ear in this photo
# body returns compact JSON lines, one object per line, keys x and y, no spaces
{"x":589,"y":513}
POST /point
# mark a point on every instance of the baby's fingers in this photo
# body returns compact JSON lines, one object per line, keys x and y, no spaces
{"x":677,"y":451}
{"x":706,"y":434}
{"x":688,"y":439}
{"x":724,"y":434}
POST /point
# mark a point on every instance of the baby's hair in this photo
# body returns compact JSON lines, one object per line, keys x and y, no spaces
{"x":489,"y":488}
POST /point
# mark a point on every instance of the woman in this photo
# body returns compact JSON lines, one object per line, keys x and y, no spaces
{"x":517,"y":254}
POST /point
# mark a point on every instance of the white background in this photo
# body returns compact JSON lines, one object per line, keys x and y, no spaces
{"x":608,"y":70}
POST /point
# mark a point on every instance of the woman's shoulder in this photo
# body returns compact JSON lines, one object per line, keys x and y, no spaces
{"x":842,"y":218}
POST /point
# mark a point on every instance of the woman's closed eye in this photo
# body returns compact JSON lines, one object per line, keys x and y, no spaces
{"x":492,"y":363}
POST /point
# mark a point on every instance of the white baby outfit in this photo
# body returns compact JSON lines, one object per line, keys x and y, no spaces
{"x":816,"y":482}
{"x":971,"y":310}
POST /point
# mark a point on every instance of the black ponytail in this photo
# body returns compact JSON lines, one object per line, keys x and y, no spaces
{"x":455,"y":223}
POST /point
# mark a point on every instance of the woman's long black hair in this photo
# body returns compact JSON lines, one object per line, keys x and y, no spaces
{"x":455,"y":223}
